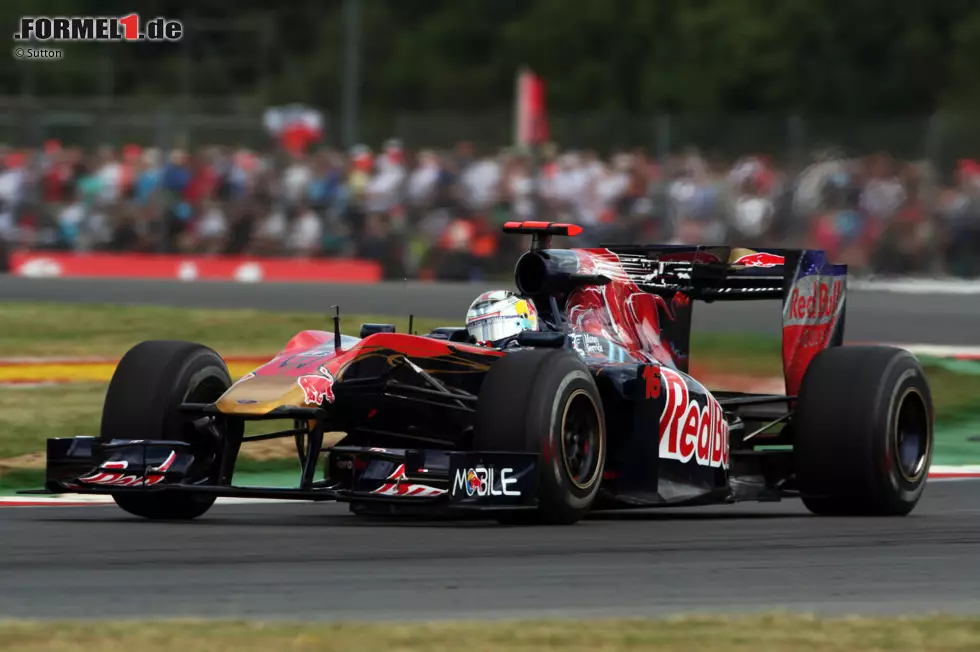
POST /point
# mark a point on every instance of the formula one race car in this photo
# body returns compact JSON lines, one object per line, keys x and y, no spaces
{"x":588,"y":405}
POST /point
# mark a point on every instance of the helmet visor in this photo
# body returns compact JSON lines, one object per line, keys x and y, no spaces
{"x":497,"y":327}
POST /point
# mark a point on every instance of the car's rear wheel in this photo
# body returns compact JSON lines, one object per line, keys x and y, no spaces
{"x":150,"y":382}
{"x":863,"y":432}
{"x":546,"y":402}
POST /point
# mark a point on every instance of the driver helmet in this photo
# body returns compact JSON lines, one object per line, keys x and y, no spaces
{"x":498,"y":315}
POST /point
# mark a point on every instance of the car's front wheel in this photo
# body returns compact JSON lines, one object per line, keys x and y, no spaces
{"x":546,"y":402}
{"x":150,"y":382}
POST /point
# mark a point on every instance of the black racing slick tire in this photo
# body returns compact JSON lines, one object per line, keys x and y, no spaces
{"x":150,"y":382}
{"x":546,"y":402}
{"x":863,"y":432}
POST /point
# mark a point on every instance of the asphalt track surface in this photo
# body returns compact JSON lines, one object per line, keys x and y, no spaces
{"x":871,"y":316}
{"x":309,"y":561}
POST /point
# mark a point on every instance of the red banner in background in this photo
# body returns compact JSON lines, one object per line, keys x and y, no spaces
{"x":42,"y":264}
{"x":531,"y":115}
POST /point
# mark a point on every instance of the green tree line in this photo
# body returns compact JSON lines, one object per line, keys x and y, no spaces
{"x":844,"y":57}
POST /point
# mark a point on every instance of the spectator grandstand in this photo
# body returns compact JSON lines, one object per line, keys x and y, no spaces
{"x":435,"y":213}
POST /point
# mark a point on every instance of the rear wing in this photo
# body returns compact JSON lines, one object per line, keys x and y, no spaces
{"x":705,"y":273}
{"x":811,"y":288}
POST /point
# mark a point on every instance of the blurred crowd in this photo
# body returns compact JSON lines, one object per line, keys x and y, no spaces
{"x":437,"y":214}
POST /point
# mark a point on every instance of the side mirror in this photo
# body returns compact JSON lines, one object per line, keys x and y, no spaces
{"x":371,"y":329}
{"x":539,"y":339}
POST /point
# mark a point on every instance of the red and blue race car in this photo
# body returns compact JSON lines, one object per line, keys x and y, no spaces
{"x":593,"y":408}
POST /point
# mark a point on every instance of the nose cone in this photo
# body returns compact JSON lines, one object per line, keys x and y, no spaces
{"x":258,"y":395}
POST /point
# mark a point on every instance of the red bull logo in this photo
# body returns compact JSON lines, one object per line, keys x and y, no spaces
{"x":760,"y":259}
{"x":814,"y":300}
{"x":689,"y":431}
{"x":317,"y":390}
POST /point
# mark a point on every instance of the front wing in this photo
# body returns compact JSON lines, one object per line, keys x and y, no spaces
{"x":437,"y":478}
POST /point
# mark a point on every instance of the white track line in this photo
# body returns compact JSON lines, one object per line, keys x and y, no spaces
{"x":966,"y":472}
{"x":916,"y":286}
{"x":943,"y":351}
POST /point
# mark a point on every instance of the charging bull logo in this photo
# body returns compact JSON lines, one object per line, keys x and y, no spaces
{"x":318,"y":389}
{"x":688,"y":430}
